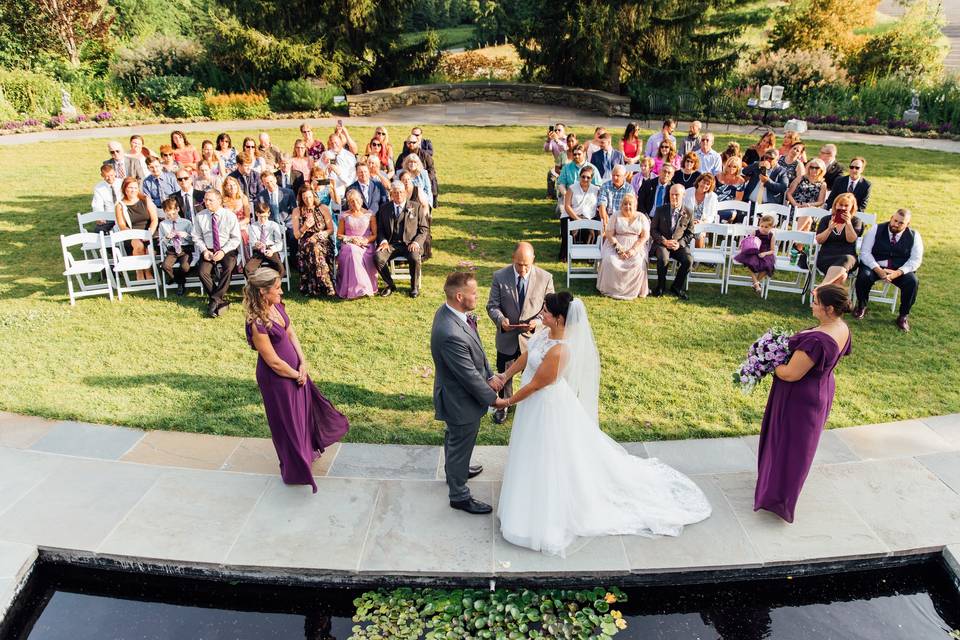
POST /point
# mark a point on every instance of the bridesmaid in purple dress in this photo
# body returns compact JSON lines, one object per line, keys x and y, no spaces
{"x":302,"y":422}
{"x":799,"y":403}
{"x":356,"y":272}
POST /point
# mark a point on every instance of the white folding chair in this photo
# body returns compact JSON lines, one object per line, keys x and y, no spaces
{"x":285,"y":255}
{"x":736,"y":205}
{"x":583,"y":252}
{"x":191,"y":281}
{"x":781,"y":211}
{"x":802,"y":278}
{"x":81,"y":271}
{"x":400,"y":269}
{"x":716,"y":254}
{"x":736,"y":233}
{"x":86,"y":222}
{"x":124,"y":264}
{"x":815,"y":213}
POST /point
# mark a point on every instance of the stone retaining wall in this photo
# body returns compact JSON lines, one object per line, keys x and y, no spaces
{"x":368,"y":104}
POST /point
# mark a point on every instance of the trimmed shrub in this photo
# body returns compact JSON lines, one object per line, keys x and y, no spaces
{"x":159,"y":91}
{"x":239,"y":106}
{"x":299,"y":95}
{"x":471,"y":65}
{"x":185,"y":107}
{"x":156,"y":56}
{"x":30,"y":93}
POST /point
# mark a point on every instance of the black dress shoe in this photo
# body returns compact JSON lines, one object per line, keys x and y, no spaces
{"x":474,"y":470}
{"x":471,"y":506}
{"x":414,"y":293}
{"x":212,"y":311}
{"x":903,"y":324}
{"x":386,"y":292}
{"x":500,"y":416}
{"x":682,"y":295}
{"x":181,"y":289}
{"x":656,"y":293}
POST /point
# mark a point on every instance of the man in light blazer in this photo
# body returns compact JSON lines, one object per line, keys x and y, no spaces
{"x":514,"y":306}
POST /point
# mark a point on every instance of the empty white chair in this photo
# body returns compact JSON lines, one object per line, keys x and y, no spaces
{"x":738,"y":206}
{"x":80,"y":272}
{"x":715,"y":254}
{"x":285,"y":258}
{"x":86,"y":222}
{"x":781,"y":211}
{"x":797,"y":279}
{"x":124,"y":265}
{"x":583,"y":252}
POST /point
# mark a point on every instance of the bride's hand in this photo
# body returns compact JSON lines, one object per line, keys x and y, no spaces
{"x":501,"y":403}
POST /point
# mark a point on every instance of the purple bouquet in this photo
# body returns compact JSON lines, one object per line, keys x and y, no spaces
{"x":766,"y":354}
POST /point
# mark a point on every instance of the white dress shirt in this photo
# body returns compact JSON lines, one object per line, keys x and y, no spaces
{"x":228,"y":226}
{"x":460,"y":314}
{"x":103,"y":199}
{"x":273,"y":238}
{"x":167,"y":227}
{"x":347,"y":167}
{"x":866,"y":251}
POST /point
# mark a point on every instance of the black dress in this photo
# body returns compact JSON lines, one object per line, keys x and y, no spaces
{"x":836,"y":251}
{"x":686,"y":181}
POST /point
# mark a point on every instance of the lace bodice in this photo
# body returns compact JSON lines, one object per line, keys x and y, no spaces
{"x":537,"y":349}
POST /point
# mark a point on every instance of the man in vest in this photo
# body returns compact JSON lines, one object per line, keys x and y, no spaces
{"x":891,"y":251}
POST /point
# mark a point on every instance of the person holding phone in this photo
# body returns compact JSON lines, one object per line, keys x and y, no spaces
{"x":516,"y":300}
{"x":837,"y":236}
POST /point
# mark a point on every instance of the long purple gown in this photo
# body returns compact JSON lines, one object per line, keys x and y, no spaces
{"x":302,"y":422}
{"x":356,"y":272}
{"x":794,"y":418}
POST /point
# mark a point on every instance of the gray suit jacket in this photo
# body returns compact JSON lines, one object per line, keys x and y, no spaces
{"x":461,"y":394}
{"x":504,"y":303}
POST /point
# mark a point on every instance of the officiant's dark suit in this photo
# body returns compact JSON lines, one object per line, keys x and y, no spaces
{"x":518,"y":300}
{"x":672,"y":221}
{"x":400,"y":222}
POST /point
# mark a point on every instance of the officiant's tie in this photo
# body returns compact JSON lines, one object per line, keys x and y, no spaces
{"x":521,"y":292}
{"x":472,"y":322}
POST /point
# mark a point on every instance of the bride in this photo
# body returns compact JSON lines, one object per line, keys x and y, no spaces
{"x":564,"y":476}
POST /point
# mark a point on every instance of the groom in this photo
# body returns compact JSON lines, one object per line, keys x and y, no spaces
{"x":463,"y":387}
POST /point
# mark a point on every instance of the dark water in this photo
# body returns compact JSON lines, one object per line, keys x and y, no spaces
{"x":917,"y":602}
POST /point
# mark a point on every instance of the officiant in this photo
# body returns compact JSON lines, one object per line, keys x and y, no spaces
{"x":514,"y":306}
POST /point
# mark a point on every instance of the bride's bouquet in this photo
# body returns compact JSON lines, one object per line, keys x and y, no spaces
{"x":766,"y":354}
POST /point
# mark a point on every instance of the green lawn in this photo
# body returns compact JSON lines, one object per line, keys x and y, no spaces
{"x":464,"y":35}
{"x":666,"y":364}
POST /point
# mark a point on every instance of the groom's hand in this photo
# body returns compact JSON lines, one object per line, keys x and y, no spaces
{"x":496,"y":382}
{"x":501,"y":403}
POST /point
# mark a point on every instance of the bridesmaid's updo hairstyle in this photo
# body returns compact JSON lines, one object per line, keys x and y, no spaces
{"x":835,"y":298}
{"x":558,"y":304}
{"x":255,"y":305}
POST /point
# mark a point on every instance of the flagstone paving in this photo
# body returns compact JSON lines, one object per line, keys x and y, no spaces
{"x":381,"y":510}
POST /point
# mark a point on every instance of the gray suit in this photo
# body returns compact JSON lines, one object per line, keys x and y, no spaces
{"x":461,"y":394}
{"x":504,"y":303}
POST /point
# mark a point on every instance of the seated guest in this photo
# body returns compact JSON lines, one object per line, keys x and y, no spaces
{"x":767,"y":142}
{"x":135,"y":210}
{"x":766,"y":180}
{"x":187,"y":198}
{"x":672,"y":231}
{"x":377,"y":157}
{"x":265,"y":246}
{"x":254,"y":159}
{"x":159,"y":184}
{"x":646,"y":172}
{"x":226,"y":151}
{"x":516,"y":300}
{"x":414,"y":167}
{"x":837,"y":236}
{"x":372,"y":192}
{"x":572,"y":142}
{"x":356,"y":271}
{"x":184,"y":154}
{"x":216,"y":237}
{"x":402,"y":228}
{"x":346,"y":140}
{"x":302,"y":162}
{"x":168,"y":161}
{"x":854,"y":183}
{"x":234,"y":199}
{"x":314,"y":147}
{"x":116,"y":159}
{"x":892,"y":252}
{"x":689,"y":170}
{"x":135,"y":161}
{"x":631,"y":146}
{"x":729,"y":187}
{"x":612,"y":192}
{"x":832,"y":170}
{"x":379,"y":174}
{"x":570,"y":174}
{"x":106,"y":193}
{"x":412,"y":147}
{"x":176,"y":236}
{"x":556,"y":145}
{"x":808,"y":190}
{"x":655,"y":191}
{"x":666,"y":155}
{"x":209,"y":155}
{"x":342,"y":165}
{"x":733,"y":149}
{"x":793,"y":161}
{"x":606,"y":157}
{"x":790,"y":138}
{"x":710,"y":161}
{"x":701,"y":202}
{"x":424,"y":143}
{"x":281,"y":201}
{"x":207,"y":179}
{"x":386,"y":149}
{"x":268,"y":151}
{"x":691,"y":143}
{"x":665,"y":133}
{"x":579,"y":203}
{"x":313,"y":230}
{"x":761,"y":260}
{"x":249,"y":180}
{"x":287,"y":176}
{"x":622,"y":272}
{"x":594,"y":145}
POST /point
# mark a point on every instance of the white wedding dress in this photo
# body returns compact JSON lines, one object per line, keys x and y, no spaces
{"x":565,"y":478}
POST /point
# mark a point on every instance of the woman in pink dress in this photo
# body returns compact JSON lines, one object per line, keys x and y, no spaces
{"x":357,"y":229}
{"x":301,"y":161}
{"x":184,"y":153}
{"x":236,"y":200}
{"x":622,"y":272}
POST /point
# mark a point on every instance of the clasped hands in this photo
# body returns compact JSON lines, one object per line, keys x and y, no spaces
{"x":672,"y":245}
{"x":210,"y":256}
{"x":888,"y":275}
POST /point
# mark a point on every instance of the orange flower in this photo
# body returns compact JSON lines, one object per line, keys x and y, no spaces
{"x":610,"y":598}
